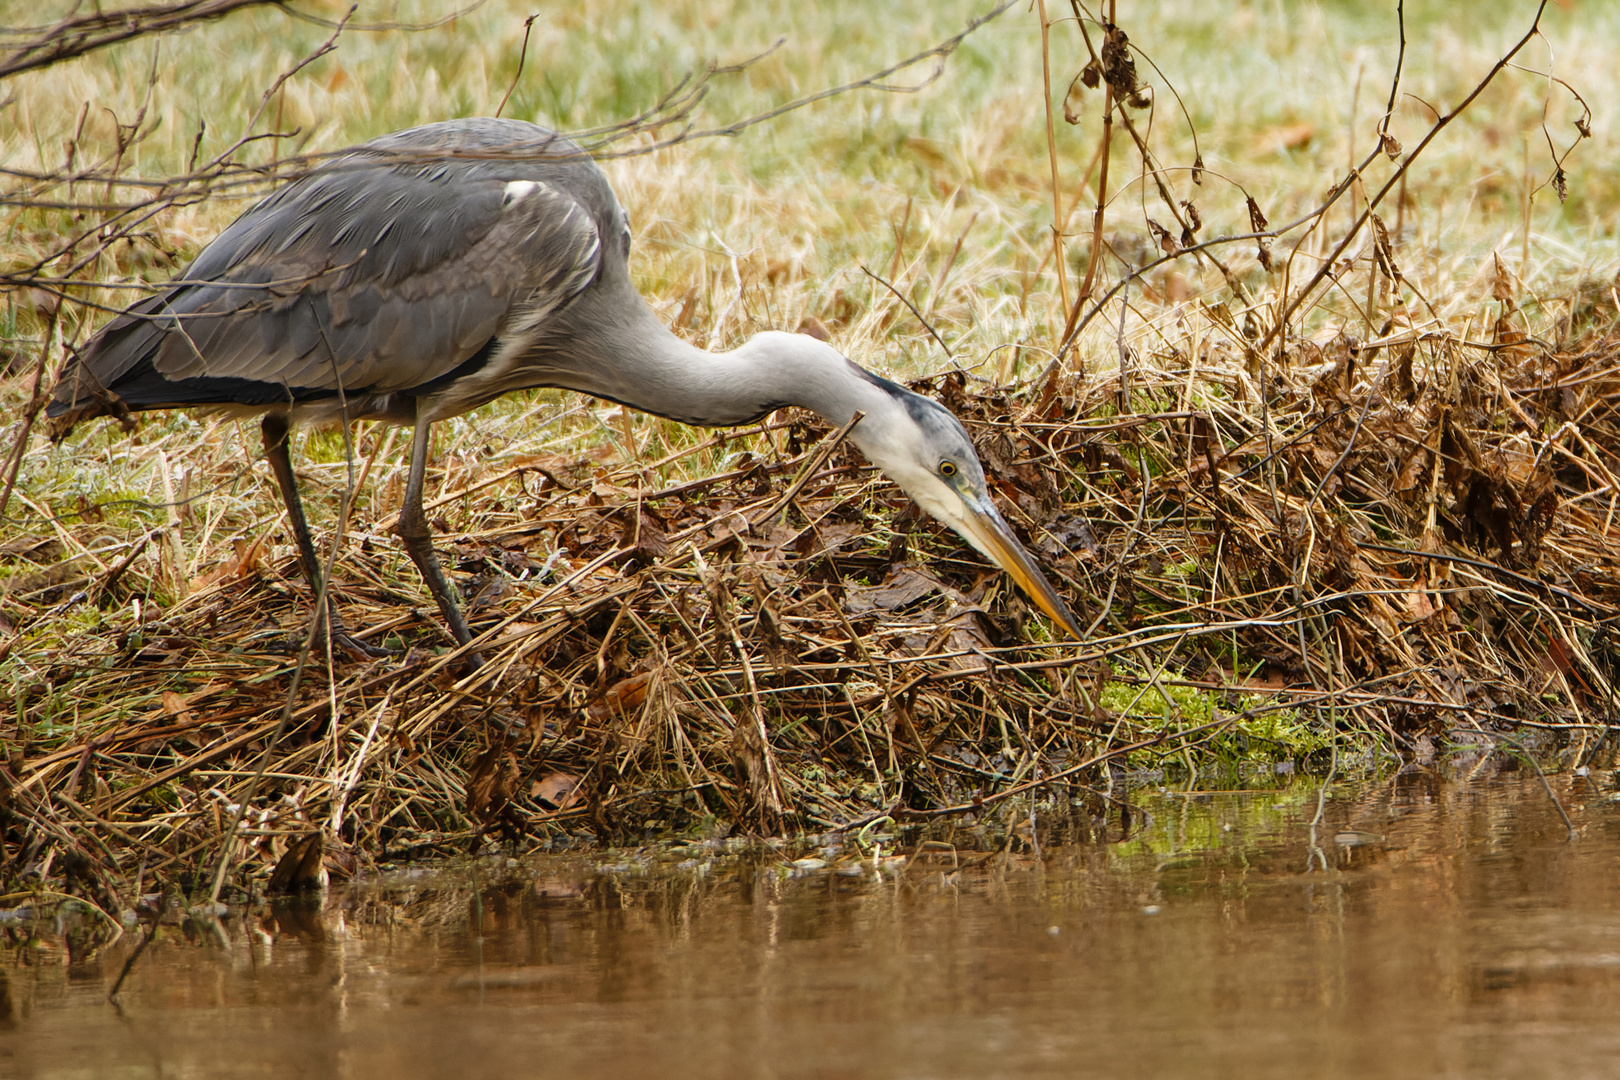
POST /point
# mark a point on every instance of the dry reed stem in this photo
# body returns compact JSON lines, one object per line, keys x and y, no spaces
{"x":851,"y":668}
{"x":1290,"y":532}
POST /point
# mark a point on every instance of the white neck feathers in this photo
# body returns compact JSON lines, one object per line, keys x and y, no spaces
{"x":771,"y":370}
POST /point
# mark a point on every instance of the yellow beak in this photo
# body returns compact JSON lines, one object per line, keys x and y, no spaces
{"x":983,"y":527}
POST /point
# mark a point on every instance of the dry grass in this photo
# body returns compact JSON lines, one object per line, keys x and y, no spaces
{"x":1317,"y":549}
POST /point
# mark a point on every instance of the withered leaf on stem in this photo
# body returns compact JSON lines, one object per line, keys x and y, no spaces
{"x":1502,"y":282}
{"x":1119,"y":67}
{"x":1257,"y":216}
{"x":1167,"y":243}
{"x":1263,"y":255}
{"x":1075,"y":98}
{"x":1383,"y":250}
{"x":1405,"y":382}
{"x":1189,"y":210}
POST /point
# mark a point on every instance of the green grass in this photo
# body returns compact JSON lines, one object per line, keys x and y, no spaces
{"x":805,"y":199}
{"x":1167,"y":706}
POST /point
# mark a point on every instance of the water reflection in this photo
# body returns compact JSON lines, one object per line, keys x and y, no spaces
{"x":1419,"y":928}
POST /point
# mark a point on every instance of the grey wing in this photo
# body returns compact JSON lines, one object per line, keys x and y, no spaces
{"x":369,"y":278}
{"x":385,"y":289}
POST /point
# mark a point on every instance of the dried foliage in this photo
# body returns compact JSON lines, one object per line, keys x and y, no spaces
{"x":1390,"y":558}
{"x":1297,"y":536}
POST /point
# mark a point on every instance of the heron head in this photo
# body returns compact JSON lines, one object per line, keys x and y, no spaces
{"x":924,"y":449}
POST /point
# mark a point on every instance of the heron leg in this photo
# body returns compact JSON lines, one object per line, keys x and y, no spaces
{"x":274,"y":429}
{"x":414,"y":533}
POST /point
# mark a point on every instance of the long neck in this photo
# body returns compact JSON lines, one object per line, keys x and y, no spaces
{"x":770,"y":371}
{"x":635,"y":360}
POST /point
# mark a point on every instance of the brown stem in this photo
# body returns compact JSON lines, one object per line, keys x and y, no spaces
{"x":1102,"y":182}
{"x":1440,"y":125}
{"x":36,"y":402}
{"x":1051,"y":158}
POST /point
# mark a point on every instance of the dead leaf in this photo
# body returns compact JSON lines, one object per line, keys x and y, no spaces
{"x":643,"y":534}
{"x":247,"y":556}
{"x":174,"y":705}
{"x":752,"y":756}
{"x":620,"y":698}
{"x":1502,"y":282}
{"x":1413,"y":471}
{"x":557,"y":790}
{"x":905,"y":586}
{"x":1418,"y":605}
{"x":810,"y":326}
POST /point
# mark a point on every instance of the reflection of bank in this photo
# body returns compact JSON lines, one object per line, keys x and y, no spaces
{"x":1445,"y":922}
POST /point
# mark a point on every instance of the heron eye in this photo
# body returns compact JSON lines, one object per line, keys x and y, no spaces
{"x":947,"y":468}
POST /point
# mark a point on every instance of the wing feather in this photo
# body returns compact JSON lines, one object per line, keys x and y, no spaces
{"x":376,"y":275}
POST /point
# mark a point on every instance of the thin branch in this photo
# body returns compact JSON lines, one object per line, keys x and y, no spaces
{"x":75,"y":37}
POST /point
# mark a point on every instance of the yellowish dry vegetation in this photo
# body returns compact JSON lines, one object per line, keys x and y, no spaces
{"x":947,"y":194}
{"x":774,"y":227}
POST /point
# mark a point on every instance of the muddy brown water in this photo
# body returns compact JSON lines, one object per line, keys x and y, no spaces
{"x":1443,"y":927}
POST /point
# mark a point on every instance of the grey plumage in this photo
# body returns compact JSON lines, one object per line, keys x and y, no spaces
{"x":435,"y":269}
{"x":383,"y":271}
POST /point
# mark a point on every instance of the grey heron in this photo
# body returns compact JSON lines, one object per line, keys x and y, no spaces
{"x":432,"y":270}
